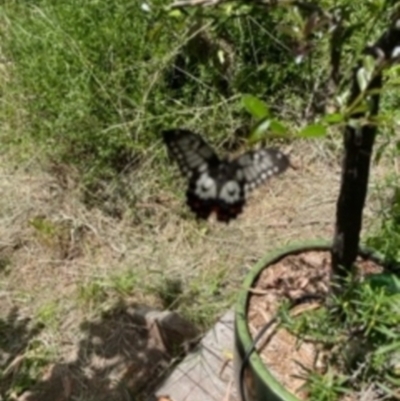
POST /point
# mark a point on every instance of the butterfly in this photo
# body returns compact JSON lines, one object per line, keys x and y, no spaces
{"x":220,"y":185}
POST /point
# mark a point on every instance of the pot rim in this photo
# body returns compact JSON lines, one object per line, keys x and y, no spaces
{"x":241,"y":307}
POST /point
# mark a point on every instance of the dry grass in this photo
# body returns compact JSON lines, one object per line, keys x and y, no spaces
{"x":71,"y":276}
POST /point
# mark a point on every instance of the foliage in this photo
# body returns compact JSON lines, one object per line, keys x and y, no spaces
{"x":96,"y":83}
{"x":99,"y":81}
{"x":386,"y":239}
{"x":84,"y":74}
{"x":33,"y":364}
{"x":358,"y":331}
{"x":358,"y":327}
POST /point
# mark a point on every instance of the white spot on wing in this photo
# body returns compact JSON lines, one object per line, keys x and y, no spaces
{"x":230,"y":192}
{"x":206,"y":187}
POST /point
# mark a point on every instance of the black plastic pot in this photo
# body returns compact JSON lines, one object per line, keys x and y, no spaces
{"x":258,"y":382}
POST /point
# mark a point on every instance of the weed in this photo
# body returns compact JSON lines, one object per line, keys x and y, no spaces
{"x":328,"y":387}
{"x":93,"y":293}
{"x":386,"y":239}
{"x":95,"y":86}
{"x":110,"y":289}
{"x":124,"y":283}
{"x":59,"y":237}
{"x":30,"y":367}
{"x":44,"y":227}
{"x":48,"y":315}
{"x":170,"y":291}
{"x":206,"y":295}
{"x":358,"y":331}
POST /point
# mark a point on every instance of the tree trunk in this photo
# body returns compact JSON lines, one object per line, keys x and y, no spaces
{"x":358,"y":147}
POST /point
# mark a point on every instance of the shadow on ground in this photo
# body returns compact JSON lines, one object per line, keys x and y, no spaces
{"x":122,"y":356}
{"x":16,"y":333}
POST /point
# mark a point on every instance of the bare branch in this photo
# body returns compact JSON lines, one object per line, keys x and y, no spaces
{"x":195,"y":3}
{"x":205,"y":3}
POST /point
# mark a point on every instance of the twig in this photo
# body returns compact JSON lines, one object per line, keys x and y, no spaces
{"x":194,"y":3}
{"x":205,"y":3}
{"x":228,"y":391}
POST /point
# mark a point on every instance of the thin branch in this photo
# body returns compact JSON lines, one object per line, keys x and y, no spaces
{"x":195,"y":3}
{"x":205,"y":3}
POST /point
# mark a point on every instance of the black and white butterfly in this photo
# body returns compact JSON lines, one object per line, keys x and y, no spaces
{"x":219,"y":185}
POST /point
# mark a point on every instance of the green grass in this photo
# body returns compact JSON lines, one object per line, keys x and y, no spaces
{"x":98,"y":292}
{"x":27,"y":368}
{"x":385,"y":239}
{"x":84,"y":73}
{"x":359,"y":331}
{"x":94,"y":85}
{"x":93,"y":293}
{"x":199,"y":300}
{"x":48,"y":315}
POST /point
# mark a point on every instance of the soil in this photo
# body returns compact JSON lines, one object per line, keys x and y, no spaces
{"x":292,"y":277}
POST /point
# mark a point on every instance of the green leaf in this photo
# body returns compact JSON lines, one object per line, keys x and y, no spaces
{"x":175,"y":13}
{"x":155,"y":32}
{"x":260,"y":130}
{"x":342,"y":98}
{"x":385,"y":349}
{"x":312,"y":131}
{"x":380,"y":150}
{"x":392,"y":334}
{"x":265,"y":127}
{"x":278,"y":129}
{"x":393,"y":380}
{"x":256,"y":107}
{"x":333,"y":118}
{"x":364,"y":74}
{"x":386,"y":389}
{"x":363,"y":79}
{"x":228,"y":9}
{"x":385,"y":280}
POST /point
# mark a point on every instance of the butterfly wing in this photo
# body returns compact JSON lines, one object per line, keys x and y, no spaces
{"x":192,"y":153}
{"x":216,"y":185}
{"x":195,"y":158}
{"x":242,"y":175}
{"x":256,"y":166}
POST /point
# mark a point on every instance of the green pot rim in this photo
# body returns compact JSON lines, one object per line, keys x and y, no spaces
{"x":243,"y":333}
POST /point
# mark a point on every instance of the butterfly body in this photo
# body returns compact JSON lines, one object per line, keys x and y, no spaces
{"x":220,"y":185}
{"x":216,"y":190}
